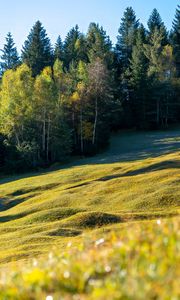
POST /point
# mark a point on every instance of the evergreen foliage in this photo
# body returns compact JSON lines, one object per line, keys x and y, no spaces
{"x":9,"y":57}
{"x":176,"y":39}
{"x":155,"y":23}
{"x":127,"y":36}
{"x":58,"y":50}
{"x":70,"y":46}
{"x":37,"y":50}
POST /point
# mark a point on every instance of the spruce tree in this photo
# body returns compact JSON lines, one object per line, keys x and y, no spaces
{"x":9,"y":58}
{"x":58,"y":50}
{"x":176,"y":39}
{"x":37,"y":51}
{"x":99,"y":44}
{"x":127,"y":37}
{"x":155,"y":23}
{"x":81,"y":48}
{"x":139,"y":80}
{"x":70,"y":51}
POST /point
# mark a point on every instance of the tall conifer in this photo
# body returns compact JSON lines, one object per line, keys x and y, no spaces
{"x":37,"y":51}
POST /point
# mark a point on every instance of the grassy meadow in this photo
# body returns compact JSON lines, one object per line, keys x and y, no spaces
{"x":95,"y":225}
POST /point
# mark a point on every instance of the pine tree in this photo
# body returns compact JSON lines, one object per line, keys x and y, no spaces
{"x":160,"y":72}
{"x":139,"y":80}
{"x":58,"y":50}
{"x":70,"y":50}
{"x":176,"y":39}
{"x":81,"y":48}
{"x":153,"y":51}
{"x":155,"y":23}
{"x":127,"y":37}
{"x":99,"y":44}
{"x":37,"y":51}
{"x":9,"y":58}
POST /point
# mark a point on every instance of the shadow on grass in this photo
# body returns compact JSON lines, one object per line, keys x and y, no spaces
{"x":124,"y":147}
{"x":155,"y":167}
{"x":36,"y":189}
{"x":9,"y":202}
{"x":6,"y":203}
{"x":170,"y":164}
{"x":65,"y":232}
{"x":9,"y":218}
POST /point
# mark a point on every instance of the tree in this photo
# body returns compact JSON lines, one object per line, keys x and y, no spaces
{"x":48,"y":113}
{"x":127,"y":36}
{"x":139,"y":80}
{"x":70,"y":49}
{"x":58,"y":50}
{"x":123,"y":53}
{"x":80,"y":98}
{"x":16,"y":105}
{"x":37,"y":50}
{"x":155,"y":23}
{"x":45,"y":100}
{"x":100,"y":95}
{"x":175,"y":35}
{"x":99,"y":44}
{"x":160,"y":72}
{"x":9,"y":58}
{"x":81,"y":48}
{"x":153,"y":51}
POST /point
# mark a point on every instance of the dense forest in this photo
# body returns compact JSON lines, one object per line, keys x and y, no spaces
{"x":66,"y":99}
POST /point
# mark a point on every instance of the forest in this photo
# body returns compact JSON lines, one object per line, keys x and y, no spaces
{"x":67,"y":99}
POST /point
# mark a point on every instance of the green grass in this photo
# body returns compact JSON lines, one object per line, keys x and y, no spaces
{"x":105,"y":227}
{"x":137,"y":178}
{"x":132,"y":262}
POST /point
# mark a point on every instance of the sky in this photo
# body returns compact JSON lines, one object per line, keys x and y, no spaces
{"x":59,"y":16}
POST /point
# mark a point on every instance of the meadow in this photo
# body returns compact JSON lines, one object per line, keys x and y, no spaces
{"x":96,"y":226}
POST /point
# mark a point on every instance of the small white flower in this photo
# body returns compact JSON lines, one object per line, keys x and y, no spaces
{"x":50,"y":256}
{"x":99,"y":242}
{"x":158,"y":222}
{"x":49,"y":298}
{"x":66,"y":274}
{"x":108,"y":269}
{"x":119,"y":244}
{"x":35,"y":263}
{"x":69,"y":245}
{"x":123,"y":273}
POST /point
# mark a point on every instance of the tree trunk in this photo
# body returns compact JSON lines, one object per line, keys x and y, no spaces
{"x":44,"y":132}
{"x":95,"y":122}
{"x":158,"y":113}
{"x":81,"y":124}
{"x":17,"y":138}
{"x":48,"y":138}
{"x":74,"y":129}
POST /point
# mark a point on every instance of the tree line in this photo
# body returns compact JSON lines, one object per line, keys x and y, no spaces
{"x":67,"y":99}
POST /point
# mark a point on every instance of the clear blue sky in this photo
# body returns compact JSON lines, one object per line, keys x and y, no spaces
{"x":58,"y":16}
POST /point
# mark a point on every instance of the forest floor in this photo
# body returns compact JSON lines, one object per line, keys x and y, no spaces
{"x":128,"y":195}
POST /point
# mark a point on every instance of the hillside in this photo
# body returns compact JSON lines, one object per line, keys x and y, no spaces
{"x":137,"y":178}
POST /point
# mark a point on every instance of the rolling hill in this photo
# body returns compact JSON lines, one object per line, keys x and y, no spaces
{"x":137,"y":178}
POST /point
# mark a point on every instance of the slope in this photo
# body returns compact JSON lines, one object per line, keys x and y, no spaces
{"x":137,"y":178}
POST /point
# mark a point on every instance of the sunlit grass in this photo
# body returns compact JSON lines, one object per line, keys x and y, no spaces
{"x":139,"y":261}
{"x":136,"y":179}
